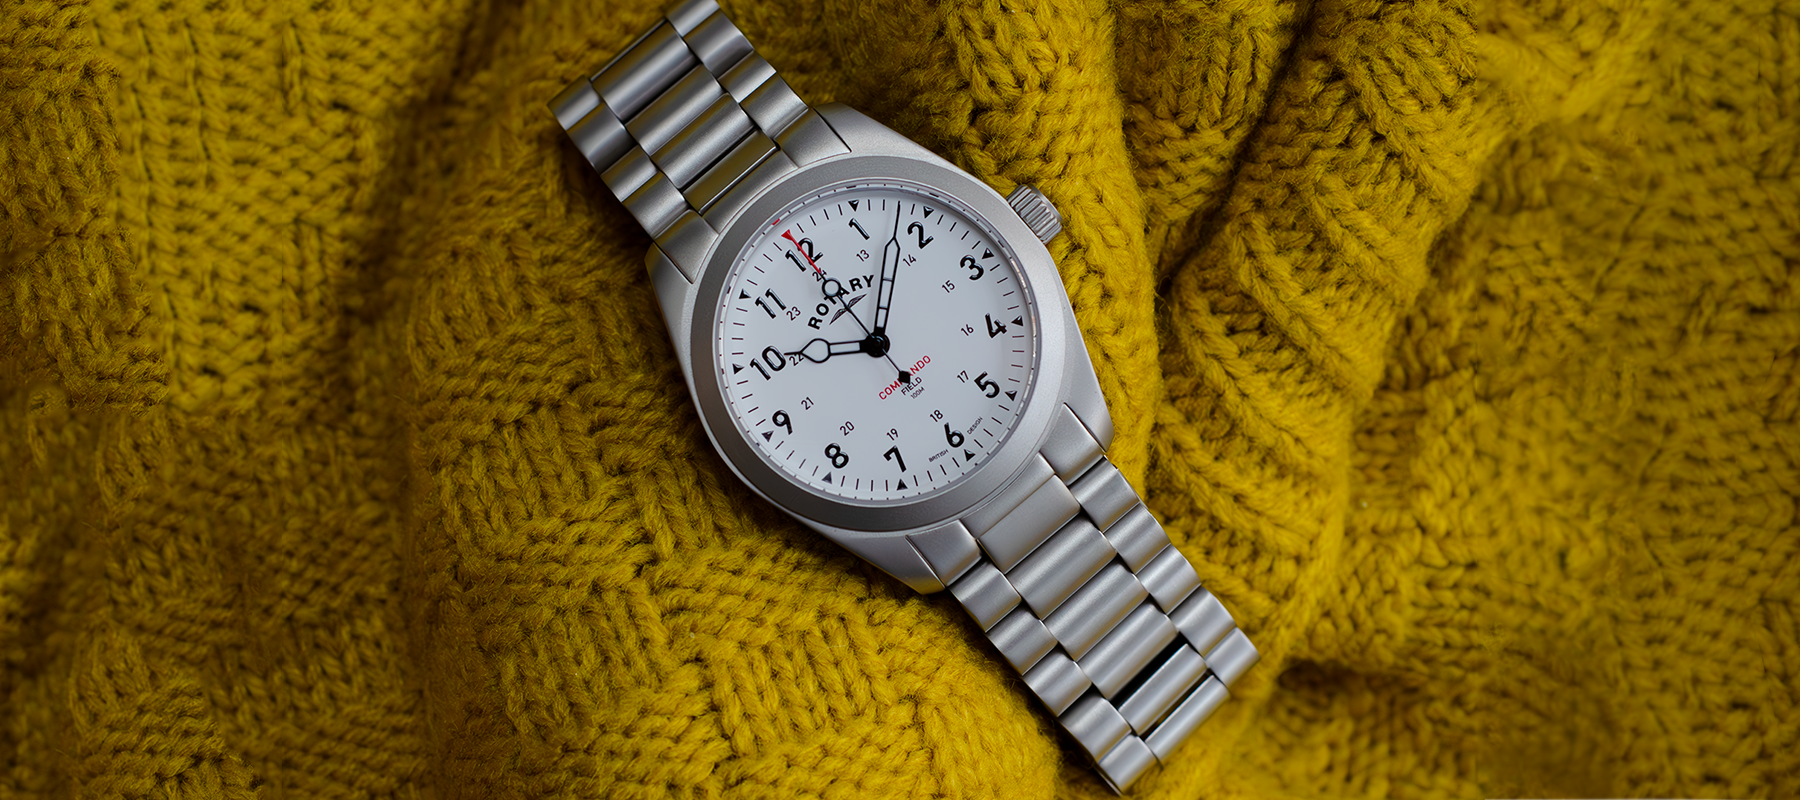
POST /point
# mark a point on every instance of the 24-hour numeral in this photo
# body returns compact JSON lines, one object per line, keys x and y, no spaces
{"x":920,"y":230}
{"x":893,"y":454}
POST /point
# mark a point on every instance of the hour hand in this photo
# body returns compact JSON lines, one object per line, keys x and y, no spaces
{"x":818,"y":350}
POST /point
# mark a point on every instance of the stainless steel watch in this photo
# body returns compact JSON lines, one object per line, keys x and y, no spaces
{"x":880,"y":345}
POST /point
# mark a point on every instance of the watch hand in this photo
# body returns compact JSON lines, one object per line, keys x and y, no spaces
{"x":884,"y":293}
{"x":873,"y":345}
{"x":818,"y":350}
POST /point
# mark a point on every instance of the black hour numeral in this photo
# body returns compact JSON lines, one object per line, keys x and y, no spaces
{"x":770,"y":293}
{"x":989,"y":388}
{"x":781,"y":418}
{"x":893,"y":454}
{"x":975,"y":270}
{"x":804,"y":246}
{"x":838,"y":457}
{"x":951,"y":437}
{"x":859,"y":228}
{"x":920,"y":230}
{"x":773,"y":358}
{"x":994,"y":328}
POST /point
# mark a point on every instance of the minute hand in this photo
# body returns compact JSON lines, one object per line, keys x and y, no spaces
{"x":884,"y":294}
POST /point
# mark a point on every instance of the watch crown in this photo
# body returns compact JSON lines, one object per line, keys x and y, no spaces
{"x":1036,"y":210}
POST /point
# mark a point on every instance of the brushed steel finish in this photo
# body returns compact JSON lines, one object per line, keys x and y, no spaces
{"x":896,"y":556}
{"x":686,"y":16}
{"x":1127,"y":649}
{"x":774,"y":106}
{"x":1033,"y":475}
{"x":1070,"y":449}
{"x":629,"y":173}
{"x":741,"y":80}
{"x":1036,"y":210}
{"x":685,"y":242}
{"x":1022,"y":638}
{"x":1057,"y":681}
{"x":1203,"y":620}
{"x":729,"y":170}
{"x":1094,"y":609}
{"x":1232,"y":656}
{"x":656,"y":204}
{"x":702,"y":142}
{"x":600,"y":137}
{"x":668,"y":279}
{"x":1146,"y":705}
{"x":718,"y":43}
{"x":1061,"y":565}
{"x":732,"y":202}
{"x":1169,"y":578}
{"x":675,"y":109}
{"x":574,"y":102}
{"x":641,"y":73}
{"x":809,"y":139}
{"x":1019,"y":533}
{"x":1186,"y":717}
{"x":1137,"y":537}
{"x":985,"y":594}
{"x":1104,"y":494}
{"x":1126,"y":762}
{"x":949,"y":549}
{"x":1095,"y":724}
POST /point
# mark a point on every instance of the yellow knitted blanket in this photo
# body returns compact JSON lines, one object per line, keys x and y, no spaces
{"x":343,"y":454}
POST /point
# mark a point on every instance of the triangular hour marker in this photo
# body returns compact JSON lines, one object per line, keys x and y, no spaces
{"x":1019,"y":320}
{"x":767,"y":435}
{"x":735,"y":369}
{"x":853,"y":205}
{"x":902,"y":485}
{"x":1012,"y":395}
{"x":986,"y":253}
{"x":743,"y":295}
{"x":927,"y":211}
{"x":827,"y":477}
{"x":968,"y":456}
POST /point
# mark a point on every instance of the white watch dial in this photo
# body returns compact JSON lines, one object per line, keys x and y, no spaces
{"x":875,"y":343}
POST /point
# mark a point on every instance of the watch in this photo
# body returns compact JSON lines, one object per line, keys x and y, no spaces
{"x":880,"y":345}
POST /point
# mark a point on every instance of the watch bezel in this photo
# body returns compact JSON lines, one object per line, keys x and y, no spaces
{"x":1015,"y":241}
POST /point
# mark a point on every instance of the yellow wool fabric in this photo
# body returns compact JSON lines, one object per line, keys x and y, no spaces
{"x":343,"y":452}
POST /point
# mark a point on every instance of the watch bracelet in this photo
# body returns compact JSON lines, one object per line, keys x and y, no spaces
{"x":1081,"y":591}
{"x":1073,"y":580}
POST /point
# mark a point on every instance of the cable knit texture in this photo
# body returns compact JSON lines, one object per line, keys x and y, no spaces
{"x":343,"y":452}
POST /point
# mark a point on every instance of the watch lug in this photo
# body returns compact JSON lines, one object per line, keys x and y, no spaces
{"x":865,"y":136}
{"x":892,"y":552}
{"x":1081,"y":387}
{"x":674,"y":294}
